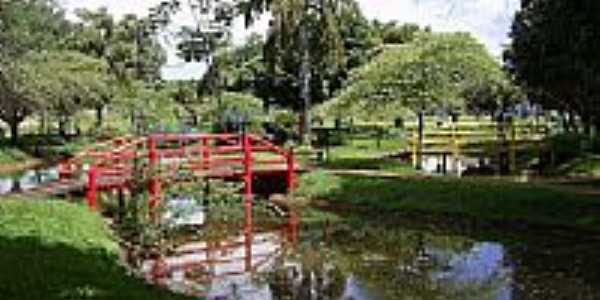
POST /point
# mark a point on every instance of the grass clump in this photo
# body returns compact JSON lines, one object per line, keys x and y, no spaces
{"x":57,"y":250}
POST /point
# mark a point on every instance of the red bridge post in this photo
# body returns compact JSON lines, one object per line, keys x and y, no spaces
{"x":205,"y":154}
{"x":91,"y":195}
{"x":154,"y":184}
{"x":290,"y":178}
{"x":247,"y":148}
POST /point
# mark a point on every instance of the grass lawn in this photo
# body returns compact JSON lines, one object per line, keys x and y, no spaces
{"x":481,"y":199}
{"x":56,"y":250}
{"x":9,"y":155}
{"x":364,"y":154}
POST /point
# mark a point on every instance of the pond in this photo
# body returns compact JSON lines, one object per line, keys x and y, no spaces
{"x":30,"y":179}
{"x":374,"y":257}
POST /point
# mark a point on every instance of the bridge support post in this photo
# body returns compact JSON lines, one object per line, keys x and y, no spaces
{"x":292,"y":228}
{"x":512,"y":149}
{"x":121,"y":203}
{"x":91,"y":194}
{"x":248,"y":241}
{"x":290,"y":172}
{"x":247,"y":147}
{"x":205,"y":154}
{"x":154,"y":184}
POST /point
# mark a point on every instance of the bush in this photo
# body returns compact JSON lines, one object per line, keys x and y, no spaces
{"x":567,"y":146}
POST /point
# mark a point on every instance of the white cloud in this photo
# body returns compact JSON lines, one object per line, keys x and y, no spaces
{"x":488,"y":20}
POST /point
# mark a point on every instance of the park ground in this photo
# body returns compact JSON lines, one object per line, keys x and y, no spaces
{"x":59,"y":250}
{"x":39,"y":238}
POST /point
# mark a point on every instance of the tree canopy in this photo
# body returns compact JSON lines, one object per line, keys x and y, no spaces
{"x":554,"y":54}
{"x":25,"y":27}
{"x":430,"y":73}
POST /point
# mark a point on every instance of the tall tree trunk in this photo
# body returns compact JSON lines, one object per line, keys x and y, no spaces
{"x":586,"y":122}
{"x":43,"y":123}
{"x":62,"y":124}
{"x":14,"y":131}
{"x":99,"y":116}
{"x":565,"y":121}
{"x":301,"y":126}
{"x":305,"y":75}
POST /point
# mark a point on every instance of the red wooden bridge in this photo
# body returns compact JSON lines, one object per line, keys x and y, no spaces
{"x":115,"y":164}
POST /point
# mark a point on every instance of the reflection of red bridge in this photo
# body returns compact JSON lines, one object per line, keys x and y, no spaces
{"x":159,"y":158}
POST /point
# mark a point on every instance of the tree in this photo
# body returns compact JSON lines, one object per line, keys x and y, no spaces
{"x":16,"y":102}
{"x":308,"y":53}
{"x":65,"y":82}
{"x":392,"y":33}
{"x":554,"y":55}
{"x":491,"y":96}
{"x":25,"y":27}
{"x":126,"y":46}
{"x":428,"y":74}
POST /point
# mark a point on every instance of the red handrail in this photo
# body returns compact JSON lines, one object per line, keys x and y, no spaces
{"x":197,"y":152}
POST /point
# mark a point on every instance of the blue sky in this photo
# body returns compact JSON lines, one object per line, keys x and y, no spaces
{"x":488,"y":20}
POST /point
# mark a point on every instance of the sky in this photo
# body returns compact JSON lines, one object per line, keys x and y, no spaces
{"x":487,"y":20}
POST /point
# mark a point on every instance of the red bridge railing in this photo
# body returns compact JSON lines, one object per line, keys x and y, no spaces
{"x":111,"y":165}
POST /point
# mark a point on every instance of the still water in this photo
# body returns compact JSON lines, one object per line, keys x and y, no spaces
{"x":375,"y":257}
{"x":30,"y":179}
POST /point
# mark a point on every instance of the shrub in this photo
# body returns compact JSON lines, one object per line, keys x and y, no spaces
{"x":567,"y":146}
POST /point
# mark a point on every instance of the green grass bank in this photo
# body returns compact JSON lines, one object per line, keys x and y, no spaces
{"x":56,"y":250}
{"x":484,"y":199}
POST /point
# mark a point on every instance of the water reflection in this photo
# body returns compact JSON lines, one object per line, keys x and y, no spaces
{"x":332,"y":262}
{"x":227,"y":267}
{"x":16,"y":183}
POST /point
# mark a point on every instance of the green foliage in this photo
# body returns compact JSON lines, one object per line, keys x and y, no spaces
{"x":129,"y":51}
{"x":284,"y":118}
{"x":491,"y":96}
{"x":29,"y":26}
{"x":428,"y":73}
{"x":230,"y":106}
{"x":67,"y":81}
{"x":337,"y":37}
{"x":554,"y":54}
{"x":25,"y":27}
{"x":392,"y":33}
{"x":566,"y":146}
{"x":58,"y":250}
{"x":240,"y":68}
